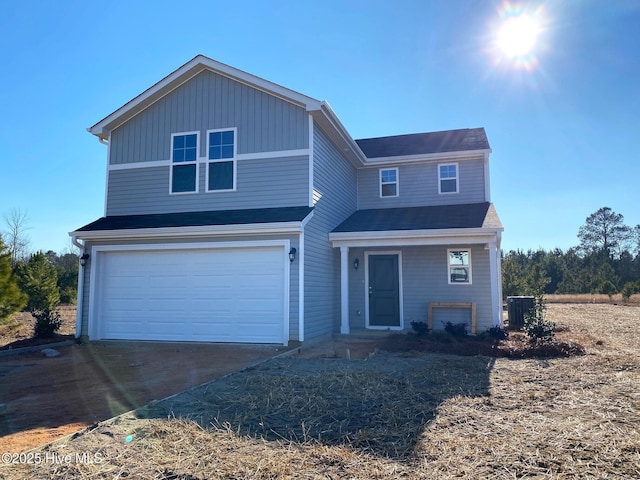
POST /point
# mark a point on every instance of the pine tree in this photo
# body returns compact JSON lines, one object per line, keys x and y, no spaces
{"x":11,"y":298}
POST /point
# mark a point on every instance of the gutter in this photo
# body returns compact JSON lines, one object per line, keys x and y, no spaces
{"x":80,"y":295}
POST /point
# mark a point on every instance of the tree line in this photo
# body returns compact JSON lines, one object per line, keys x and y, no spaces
{"x":37,"y":282}
{"x":607,"y":260}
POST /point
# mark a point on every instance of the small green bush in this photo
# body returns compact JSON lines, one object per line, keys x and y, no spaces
{"x":420,"y":328}
{"x":536,"y":326}
{"x":456,"y":329}
{"x":629,"y":288}
{"x":497,"y":332}
{"x":47,"y":323}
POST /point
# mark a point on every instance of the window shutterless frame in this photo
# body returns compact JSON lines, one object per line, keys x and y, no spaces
{"x":389,"y":182}
{"x":183,"y":173}
{"x":448,"y":178}
{"x":459,"y":266}
{"x":221,"y":167}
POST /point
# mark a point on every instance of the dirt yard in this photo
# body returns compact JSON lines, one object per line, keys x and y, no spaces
{"x":46,"y":398}
{"x":392,"y":415}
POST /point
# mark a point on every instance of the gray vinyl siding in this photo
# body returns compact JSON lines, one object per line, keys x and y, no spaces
{"x":279,"y":182}
{"x":418,"y":186}
{"x":335,"y":184}
{"x":293,"y":273}
{"x":209,"y":101}
{"x":424,"y":279}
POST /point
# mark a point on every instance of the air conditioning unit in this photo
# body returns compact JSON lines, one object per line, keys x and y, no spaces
{"x":518,"y":307}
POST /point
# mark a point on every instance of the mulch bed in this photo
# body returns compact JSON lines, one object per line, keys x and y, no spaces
{"x":516,"y":345}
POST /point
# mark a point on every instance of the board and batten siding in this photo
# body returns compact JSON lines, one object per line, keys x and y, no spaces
{"x":334,"y":185}
{"x":210,"y":101}
{"x":293,"y":274}
{"x":262,"y":183}
{"x":418,"y":186}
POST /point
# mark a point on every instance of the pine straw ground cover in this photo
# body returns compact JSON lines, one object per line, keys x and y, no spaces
{"x":394,"y":415}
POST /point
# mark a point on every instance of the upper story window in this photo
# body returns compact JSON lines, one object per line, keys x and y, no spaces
{"x":459,"y":266}
{"x":184,"y":166}
{"x":221,"y":166}
{"x":448,"y":178}
{"x":388,"y":182}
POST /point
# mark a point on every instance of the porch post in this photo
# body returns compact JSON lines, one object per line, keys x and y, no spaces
{"x":344,"y":290}
{"x":496,"y":294}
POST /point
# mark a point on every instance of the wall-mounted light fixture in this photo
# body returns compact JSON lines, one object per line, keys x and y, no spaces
{"x":84,"y":258}
{"x":292,"y":254}
{"x":356,"y":263}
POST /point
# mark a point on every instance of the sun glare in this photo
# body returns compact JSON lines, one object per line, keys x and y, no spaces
{"x":517,"y":36}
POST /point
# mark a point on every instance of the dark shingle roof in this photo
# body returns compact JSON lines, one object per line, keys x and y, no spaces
{"x":197,"y":219}
{"x":425,"y":143}
{"x":474,"y":215}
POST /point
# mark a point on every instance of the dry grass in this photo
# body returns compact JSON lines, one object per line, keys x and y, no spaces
{"x":392,"y":416}
{"x":592,"y":298}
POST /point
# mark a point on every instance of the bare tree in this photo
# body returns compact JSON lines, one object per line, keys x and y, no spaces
{"x":16,"y":238}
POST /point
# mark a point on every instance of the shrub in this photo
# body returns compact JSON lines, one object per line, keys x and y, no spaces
{"x":497,"y":332}
{"x":38,"y":279}
{"x":456,"y":329}
{"x":47,"y":323}
{"x":629,"y":289}
{"x":420,"y":328}
{"x":536,"y":326}
{"x":608,"y":288}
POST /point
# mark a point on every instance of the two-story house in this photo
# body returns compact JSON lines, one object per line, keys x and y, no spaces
{"x":238,"y":210}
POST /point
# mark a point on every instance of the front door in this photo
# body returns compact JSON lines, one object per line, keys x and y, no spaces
{"x":384,"y":291}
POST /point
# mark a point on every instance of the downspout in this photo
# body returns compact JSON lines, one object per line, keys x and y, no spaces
{"x":80,"y":296}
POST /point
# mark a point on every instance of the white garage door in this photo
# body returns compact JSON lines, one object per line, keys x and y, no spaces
{"x":209,"y":295}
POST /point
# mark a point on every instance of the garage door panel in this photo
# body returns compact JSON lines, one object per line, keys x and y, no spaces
{"x":223,"y":295}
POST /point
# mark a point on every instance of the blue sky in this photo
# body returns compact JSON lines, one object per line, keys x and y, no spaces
{"x":564,"y":134}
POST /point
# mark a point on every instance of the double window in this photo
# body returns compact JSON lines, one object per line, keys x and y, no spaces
{"x":220,"y":161}
{"x":459,"y":267}
{"x":448,"y":178}
{"x":389,"y":182}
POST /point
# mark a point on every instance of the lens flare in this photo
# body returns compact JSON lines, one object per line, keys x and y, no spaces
{"x":517,"y":37}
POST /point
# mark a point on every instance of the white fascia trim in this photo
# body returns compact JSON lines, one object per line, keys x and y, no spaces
{"x":337,"y":125}
{"x":186,"y":73}
{"x":487,"y":183}
{"x":311,"y":160}
{"x":284,"y":154}
{"x":413,"y":237}
{"x":283,"y":228}
{"x":426,"y":158}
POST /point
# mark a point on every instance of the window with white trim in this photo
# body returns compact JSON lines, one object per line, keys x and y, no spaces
{"x":184,"y":162}
{"x":448,"y":178}
{"x":389,"y":182}
{"x":221,"y":165}
{"x":459,"y":267}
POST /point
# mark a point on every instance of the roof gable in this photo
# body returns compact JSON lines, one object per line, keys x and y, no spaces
{"x":189,"y":70}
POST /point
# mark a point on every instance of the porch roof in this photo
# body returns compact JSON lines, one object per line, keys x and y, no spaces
{"x":475,"y":215}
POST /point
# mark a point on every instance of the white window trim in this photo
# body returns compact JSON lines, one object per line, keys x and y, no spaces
{"x":396,"y":183}
{"x":234,"y":160}
{"x":449,"y":250}
{"x":457,"y":178}
{"x":195,"y":162}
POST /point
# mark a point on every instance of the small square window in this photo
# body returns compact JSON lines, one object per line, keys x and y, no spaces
{"x":459,"y":267}
{"x":184,"y":178}
{"x":389,"y":182}
{"x":221,"y":144}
